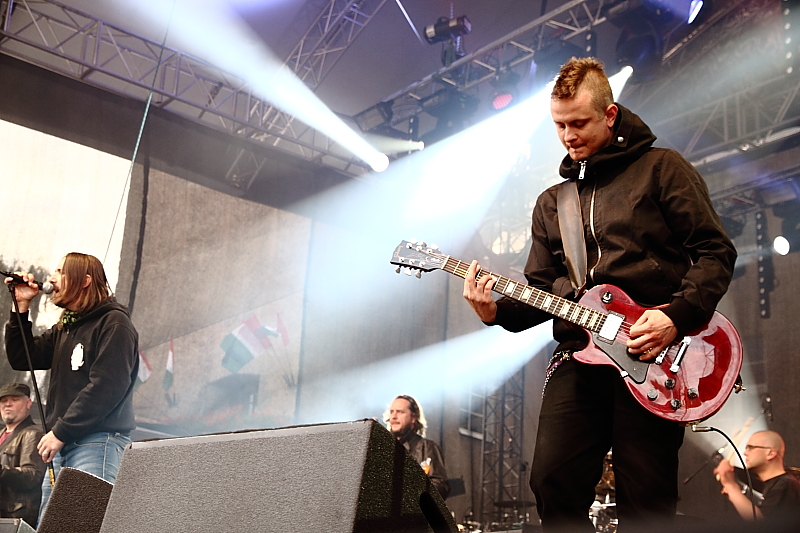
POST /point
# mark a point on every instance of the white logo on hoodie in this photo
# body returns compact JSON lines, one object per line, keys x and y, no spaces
{"x":77,"y":356}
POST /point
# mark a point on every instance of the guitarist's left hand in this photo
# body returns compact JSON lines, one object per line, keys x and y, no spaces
{"x":650,"y":334}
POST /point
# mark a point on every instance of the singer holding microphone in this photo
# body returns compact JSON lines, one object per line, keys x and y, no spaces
{"x":92,"y":355}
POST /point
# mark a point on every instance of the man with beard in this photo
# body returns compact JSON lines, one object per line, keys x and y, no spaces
{"x":407,"y":422}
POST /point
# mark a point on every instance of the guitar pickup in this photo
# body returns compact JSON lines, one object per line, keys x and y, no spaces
{"x":611,"y":325}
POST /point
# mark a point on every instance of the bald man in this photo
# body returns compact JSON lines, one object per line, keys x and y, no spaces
{"x":764,"y":458}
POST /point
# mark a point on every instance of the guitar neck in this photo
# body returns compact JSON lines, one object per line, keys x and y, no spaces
{"x":573,"y":312}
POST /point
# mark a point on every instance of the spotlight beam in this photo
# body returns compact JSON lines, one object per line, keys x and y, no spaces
{"x":210,"y":29}
{"x":449,"y":367}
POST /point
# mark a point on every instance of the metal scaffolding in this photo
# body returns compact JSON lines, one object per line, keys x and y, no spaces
{"x":84,"y":48}
{"x":503,"y":468}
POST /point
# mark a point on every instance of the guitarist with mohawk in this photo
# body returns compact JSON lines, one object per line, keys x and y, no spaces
{"x":648,"y":227}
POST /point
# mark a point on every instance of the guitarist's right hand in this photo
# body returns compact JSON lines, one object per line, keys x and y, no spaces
{"x":479,"y":294}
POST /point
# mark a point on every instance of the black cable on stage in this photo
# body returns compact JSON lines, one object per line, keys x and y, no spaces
{"x":33,"y":375}
{"x":141,"y":125}
{"x":702,"y":429}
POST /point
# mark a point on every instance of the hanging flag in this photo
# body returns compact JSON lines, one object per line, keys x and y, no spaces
{"x":168,"y":375}
{"x":248,"y":341}
{"x":262,"y":333}
{"x":144,"y":371}
{"x":284,"y":333}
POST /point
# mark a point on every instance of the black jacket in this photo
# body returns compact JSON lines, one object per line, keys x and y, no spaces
{"x":93,"y":366}
{"x":425,"y":451}
{"x":21,"y":473}
{"x":649,"y":228}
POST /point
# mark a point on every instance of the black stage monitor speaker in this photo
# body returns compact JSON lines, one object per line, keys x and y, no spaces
{"x":348,"y":477}
{"x":15,"y":525}
{"x":77,"y":503}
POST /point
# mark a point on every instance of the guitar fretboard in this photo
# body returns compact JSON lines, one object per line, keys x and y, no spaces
{"x":586,"y":317}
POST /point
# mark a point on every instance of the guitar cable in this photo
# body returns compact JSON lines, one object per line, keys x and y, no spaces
{"x":705,"y":429}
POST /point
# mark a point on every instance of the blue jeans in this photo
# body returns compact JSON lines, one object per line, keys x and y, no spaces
{"x":97,"y":453}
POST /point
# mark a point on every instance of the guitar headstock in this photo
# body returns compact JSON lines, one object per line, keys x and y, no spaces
{"x":417,"y":256}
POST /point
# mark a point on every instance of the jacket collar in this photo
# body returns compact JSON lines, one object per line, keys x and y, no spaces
{"x":631,"y":138}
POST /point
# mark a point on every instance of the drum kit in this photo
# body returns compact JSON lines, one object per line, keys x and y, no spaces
{"x":603,"y":511}
{"x":513,"y":514}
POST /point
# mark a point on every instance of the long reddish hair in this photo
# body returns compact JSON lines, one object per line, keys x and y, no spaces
{"x":76,"y":267}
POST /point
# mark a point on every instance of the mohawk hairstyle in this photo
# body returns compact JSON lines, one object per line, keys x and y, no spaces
{"x":584,"y":73}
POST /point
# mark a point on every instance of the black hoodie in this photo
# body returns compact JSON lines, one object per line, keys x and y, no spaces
{"x":93,"y":366}
{"x":649,"y":227}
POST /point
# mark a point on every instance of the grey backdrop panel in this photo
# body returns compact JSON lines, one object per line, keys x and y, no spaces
{"x":349,"y":477}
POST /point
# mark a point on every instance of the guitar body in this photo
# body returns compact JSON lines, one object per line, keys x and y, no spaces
{"x":709,"y":362}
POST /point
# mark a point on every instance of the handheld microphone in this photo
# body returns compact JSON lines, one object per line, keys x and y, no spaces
{"x":46,"y":287}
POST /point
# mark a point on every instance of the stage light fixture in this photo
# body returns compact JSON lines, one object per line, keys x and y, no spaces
{"x":789,"y":239}
{"x":640,"y":46}
{"x":377,"y":115}
{"x":790,"y":19}
{"x":452,"y":110}
{"x":446,"y":29}
{"x":548,"y":61}
{"x":695,"y":7}
{"x":505,"y":90}
{"x":733,"y":226}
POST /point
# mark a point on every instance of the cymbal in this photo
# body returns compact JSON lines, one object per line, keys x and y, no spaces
{"x":514,"y":504}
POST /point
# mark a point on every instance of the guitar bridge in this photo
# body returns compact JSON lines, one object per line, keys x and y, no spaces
{"x":676,"y":364}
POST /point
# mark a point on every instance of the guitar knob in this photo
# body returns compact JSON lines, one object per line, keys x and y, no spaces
{"x":607,"y":297}
{"x":675,"y":404}
{"x":652,"y":394}
{"x":669,"y":383}
{"x":692,"y":393}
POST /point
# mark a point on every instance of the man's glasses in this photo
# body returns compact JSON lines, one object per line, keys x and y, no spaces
{"x":751,"y":446}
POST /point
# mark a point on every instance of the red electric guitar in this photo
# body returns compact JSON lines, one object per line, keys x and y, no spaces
{"x":687,"y":382}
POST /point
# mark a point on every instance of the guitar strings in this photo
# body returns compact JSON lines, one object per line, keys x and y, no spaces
{"x":623,"y":334}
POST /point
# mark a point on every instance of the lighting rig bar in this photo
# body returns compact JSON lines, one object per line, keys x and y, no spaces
{"x":741,"y":121}
{"x":571,"y":19}
{"x":63,"y":40}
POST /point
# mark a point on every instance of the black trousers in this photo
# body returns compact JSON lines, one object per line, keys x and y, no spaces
{"x":586,"y":411}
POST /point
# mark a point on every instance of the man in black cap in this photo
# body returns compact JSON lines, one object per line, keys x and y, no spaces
{"x":21,"y":467}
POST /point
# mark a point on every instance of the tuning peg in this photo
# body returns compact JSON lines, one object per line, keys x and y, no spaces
{"x":422,"y":244}
{"x":434,"y":246}
{"x":419,"y":274}
{"x":408,"y":272}
{"x":397,"y":269}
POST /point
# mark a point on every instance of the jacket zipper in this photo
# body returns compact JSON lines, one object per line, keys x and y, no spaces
{"x":594,"y":234}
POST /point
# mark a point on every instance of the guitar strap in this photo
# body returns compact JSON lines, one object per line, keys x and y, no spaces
{"x":570,"y":221}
